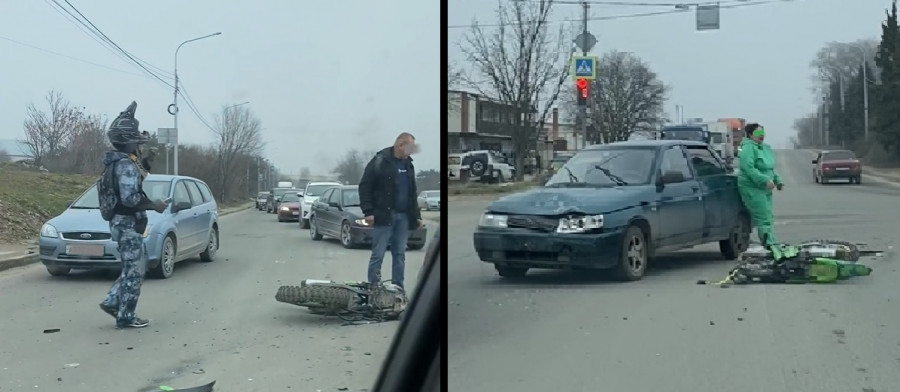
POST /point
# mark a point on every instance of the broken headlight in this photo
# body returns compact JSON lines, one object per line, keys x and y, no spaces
{"x":579,"y":224}
{"x":492,"y":220}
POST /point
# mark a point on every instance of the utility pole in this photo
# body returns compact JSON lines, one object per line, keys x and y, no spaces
{"x":584,"y":49}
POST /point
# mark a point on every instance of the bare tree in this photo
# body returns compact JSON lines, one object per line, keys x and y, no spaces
{"x":806,"y":128}
{"x":521,"y":66}
{"x":349,"y":170}
{"x":627,"y":97}
{"x":46,"y":135}
{"x":838,"y":58}
{"x":305,"y":173}
{"x":238,"y":133}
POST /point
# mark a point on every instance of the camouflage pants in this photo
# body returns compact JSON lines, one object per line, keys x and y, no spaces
{"x":125,"y":291}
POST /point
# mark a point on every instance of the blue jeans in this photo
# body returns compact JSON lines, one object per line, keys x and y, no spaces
{"x":396,"y":235}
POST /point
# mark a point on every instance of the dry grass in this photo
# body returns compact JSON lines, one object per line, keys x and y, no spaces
{"x":28,"y":198}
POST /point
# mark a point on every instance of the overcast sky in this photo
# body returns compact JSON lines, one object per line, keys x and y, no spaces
{"x":756,"y":66}
{"x":323,"y":76}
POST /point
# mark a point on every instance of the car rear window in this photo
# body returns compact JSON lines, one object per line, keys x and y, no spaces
{"x":839,"y":156}
{"x":454,"y":160}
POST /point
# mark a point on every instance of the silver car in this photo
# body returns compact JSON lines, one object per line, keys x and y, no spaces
{"x":79,"y":238}
{"x":429,"y":200}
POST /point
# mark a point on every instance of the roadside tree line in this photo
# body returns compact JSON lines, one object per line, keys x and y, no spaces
{"x":64,"y":138}
{"x":350,"y":168}
{"x":524,"y":65}
{"x":866,"y":65}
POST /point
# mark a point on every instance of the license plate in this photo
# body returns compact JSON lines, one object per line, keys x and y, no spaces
{"x":843,"y":168}
{"x":295,"y":212}
{"x":85,"y":250}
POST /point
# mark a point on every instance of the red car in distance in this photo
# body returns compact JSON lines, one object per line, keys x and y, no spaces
{"x":837,"y":164}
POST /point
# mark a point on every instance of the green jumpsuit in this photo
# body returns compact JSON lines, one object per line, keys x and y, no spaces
{"x":757,"y":167}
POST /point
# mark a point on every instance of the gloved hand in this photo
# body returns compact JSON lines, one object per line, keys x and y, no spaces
{"x":779,"y":186}
{"x":160,"y":206}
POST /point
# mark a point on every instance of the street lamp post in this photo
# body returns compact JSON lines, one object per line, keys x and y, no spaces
{"x":173,"y":109}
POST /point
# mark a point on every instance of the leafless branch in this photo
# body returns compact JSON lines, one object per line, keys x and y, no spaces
{"x":238,"y":133}
{"x":519,"y":65}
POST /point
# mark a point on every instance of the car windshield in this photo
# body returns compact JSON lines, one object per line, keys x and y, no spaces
{"x":606,"y":167}
{"x":350,"y":198}
{"x":317,"y":190}
{"x":262,"y":194}
{"x":290,"y":197}
{"x":838,"y":156}
{"x":694,"y":134}
{"x":433,"y":194}
{"x":155,"y":190}
{"x":454,"y":160}
{"x":279,"y":192}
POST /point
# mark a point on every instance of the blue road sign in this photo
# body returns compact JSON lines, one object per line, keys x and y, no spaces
{"x":584,"y":67}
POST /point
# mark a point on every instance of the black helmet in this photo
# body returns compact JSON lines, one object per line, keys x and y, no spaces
{"x":124,"y":130}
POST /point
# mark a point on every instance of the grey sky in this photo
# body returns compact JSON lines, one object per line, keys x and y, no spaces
{"x":756,"y":66}
{"x":323,"y":76}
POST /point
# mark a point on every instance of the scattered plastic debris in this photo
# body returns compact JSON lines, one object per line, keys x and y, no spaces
{"x":51,"y":330}
{"x":73,"y":364}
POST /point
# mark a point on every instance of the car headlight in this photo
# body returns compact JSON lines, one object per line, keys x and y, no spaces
{"x":579,"y":224}
{"x":147,"y":231}
{"x":492,"y":220}
{"x":361,"y":222}
{"x":285,"y":209}
{"x":47,"y":230}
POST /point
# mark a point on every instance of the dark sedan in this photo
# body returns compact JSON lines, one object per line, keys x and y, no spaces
{"x":613,"y":207}
{"x":337,"y":214}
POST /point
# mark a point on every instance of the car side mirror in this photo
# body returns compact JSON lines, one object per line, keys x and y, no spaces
{"x":333,"y":204}
{"x":181,"y":206}
{"x":815,"y":161}
{"x":671,"y":177}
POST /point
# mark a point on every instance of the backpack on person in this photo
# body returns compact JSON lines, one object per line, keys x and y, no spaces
{"x":108,"y":192}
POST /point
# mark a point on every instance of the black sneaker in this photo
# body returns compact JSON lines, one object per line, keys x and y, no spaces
{"x":136,"y":323}
{"x":109,"y":309}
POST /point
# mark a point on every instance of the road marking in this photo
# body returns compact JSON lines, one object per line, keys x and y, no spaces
{"x":7,"y":252}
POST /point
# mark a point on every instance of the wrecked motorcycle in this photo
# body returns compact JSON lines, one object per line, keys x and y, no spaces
{"x":350,"y":301}
{"x":817,"y":261}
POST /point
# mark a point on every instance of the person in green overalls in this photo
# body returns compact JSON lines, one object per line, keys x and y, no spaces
{"x":756,"y":180}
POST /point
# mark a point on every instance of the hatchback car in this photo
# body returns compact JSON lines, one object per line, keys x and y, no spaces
{"x":429,"y":200}
{"x":837,"y":164}
{"x":79,"y":238}
{"x":337,"y":214}
{"x":261,"y":200}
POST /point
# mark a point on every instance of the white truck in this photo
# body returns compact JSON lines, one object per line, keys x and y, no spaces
{"x":720,"y":139}
{"x":285,"y":184}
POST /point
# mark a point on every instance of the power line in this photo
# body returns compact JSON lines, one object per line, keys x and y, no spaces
{"x":68,"y":57}
{"x":96,"y":30}
{"x":625,"y":16}
{"x":190,"y":104}
{"x":130,"y":56}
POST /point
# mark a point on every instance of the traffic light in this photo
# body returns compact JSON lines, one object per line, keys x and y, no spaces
{"x":583,"y":89}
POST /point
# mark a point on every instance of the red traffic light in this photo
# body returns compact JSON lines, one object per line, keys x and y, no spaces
{"x":581,"y":83}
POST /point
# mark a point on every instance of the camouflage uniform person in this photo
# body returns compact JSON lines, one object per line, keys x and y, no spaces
{"x":124,"y":205}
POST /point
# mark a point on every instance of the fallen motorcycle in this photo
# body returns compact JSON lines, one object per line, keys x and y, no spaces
{"x":350,"y":301}
{"x":817,"y":261}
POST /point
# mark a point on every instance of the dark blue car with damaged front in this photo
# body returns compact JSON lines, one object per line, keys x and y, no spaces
{"x":614,"y":206}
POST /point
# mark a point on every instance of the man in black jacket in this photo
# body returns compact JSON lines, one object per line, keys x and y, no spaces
{"x":387,"y":197}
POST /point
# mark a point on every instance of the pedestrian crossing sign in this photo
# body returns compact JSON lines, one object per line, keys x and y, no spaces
{"x":584,"y":67}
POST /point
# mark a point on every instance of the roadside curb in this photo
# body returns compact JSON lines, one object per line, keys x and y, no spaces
{"x":31,"y":258}
{"x":19,"y":261}
{"x":235,"y":209}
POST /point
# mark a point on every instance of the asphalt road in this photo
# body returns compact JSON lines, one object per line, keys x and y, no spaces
{"x":558,"y":331}
{"x":216,"y":321}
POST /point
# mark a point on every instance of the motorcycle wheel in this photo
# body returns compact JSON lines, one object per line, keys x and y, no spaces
{"x":327,"y":299}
